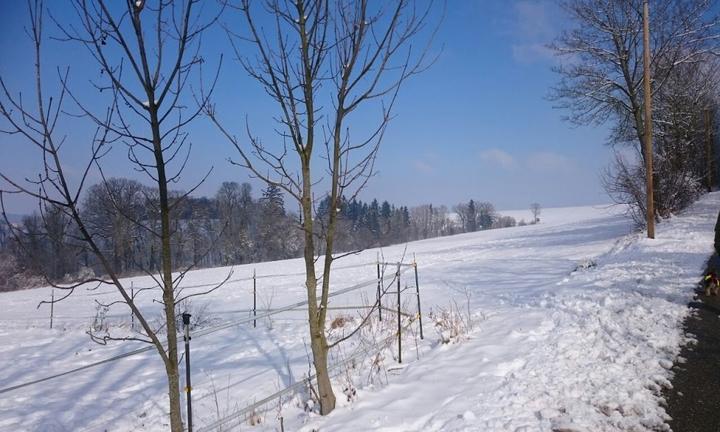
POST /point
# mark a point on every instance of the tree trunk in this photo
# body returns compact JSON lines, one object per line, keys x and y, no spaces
{"x":173,"y":376}
{"x":320,"y":358}
{"x":316,"y":317}
{"x":171,"y":364}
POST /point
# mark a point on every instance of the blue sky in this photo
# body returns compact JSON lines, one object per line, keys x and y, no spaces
{"x":476,"y":125}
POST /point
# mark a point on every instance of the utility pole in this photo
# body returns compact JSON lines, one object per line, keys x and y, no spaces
{"x":648,"y":123}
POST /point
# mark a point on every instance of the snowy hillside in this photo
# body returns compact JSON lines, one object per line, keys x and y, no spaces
{"x":575,"y":325}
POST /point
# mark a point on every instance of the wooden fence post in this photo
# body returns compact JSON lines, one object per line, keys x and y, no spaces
{"x":417,"y":291}
{"x":132,"y":312}
{"x":52,"y":306}
{"x":397,"y":275}
{"x":254,"y":298}
{"x":379,"y":292}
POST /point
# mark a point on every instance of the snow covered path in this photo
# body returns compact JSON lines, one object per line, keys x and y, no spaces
{"x":552,"y":347}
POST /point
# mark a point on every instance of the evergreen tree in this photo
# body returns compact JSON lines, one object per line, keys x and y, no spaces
{"x":471,"y":217}
{"x":274,"y":225}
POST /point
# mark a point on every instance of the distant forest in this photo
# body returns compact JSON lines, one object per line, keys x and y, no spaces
{"x":233,"y":227}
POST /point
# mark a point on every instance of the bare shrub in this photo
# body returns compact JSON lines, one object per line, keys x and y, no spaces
{"x":99,"y":330}
{"x":21,"y":280}
{"x":504,"y":222}
{"x":8,"y":268}
{"x":84,"y":273}
{"x":266,"y":302}
{"x":199,"y":314}
{"x":449,"y":324}
{"x":452,"y":324}
{"x":341,"y":321}
{"x":254,"y":418}
{"x":674,"y":186}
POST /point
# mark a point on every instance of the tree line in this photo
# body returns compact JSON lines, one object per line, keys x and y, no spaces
{"x":230,"y":228}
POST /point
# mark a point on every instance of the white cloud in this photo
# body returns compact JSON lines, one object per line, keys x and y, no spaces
{"x":532,"y":52}
{"x":534,"y":27}
{"x":423,"y":167}
{"x":532,"y":19}
{"x":548,"y":162}
{"x":498,"y":157}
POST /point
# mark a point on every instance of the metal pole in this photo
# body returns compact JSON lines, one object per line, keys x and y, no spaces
{"x":254,"y":298}
{"x":648,"y":123}
{"x":188,"y":386}
{"x":397,"y":275}
{"x":52,"y":306}
{"x":417,"y":291}
{"x":379,"y":293}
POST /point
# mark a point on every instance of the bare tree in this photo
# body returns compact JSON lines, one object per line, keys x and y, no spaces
{"x":235,"y":210}
{"x":602,"y":79}
{"x":461,"y":210}
{"x":146,"y":54}
{"x":114,"y":231}
{"x":535,"y":210}
{"x":469,"y":214}
{"x":680,"y":155}
{"x":602,"y":75}
{"x":422,"y":217}
{"x":320,"y":63}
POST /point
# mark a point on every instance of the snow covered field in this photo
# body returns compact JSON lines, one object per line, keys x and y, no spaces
{"x":552,"y":347}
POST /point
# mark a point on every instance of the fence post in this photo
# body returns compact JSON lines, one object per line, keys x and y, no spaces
{"x":397,"y":275}
{"x":379,"y":293}
{"x":254,"y":299}
{"x":132,"y":312}
{"x":417,"y":291}
{"x":52,"y":306}
{"x":188,"y":388}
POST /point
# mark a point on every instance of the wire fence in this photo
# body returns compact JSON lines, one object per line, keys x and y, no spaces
{"x":221,"y":327}
{"x":95,"y":293}
{"x":361,"y":351}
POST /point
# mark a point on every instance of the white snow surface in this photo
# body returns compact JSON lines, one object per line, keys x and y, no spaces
{"x":556,"y":344}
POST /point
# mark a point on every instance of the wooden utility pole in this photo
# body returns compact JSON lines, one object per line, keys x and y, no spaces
{"x":708,"y":150}
{"x":648,"y":123}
